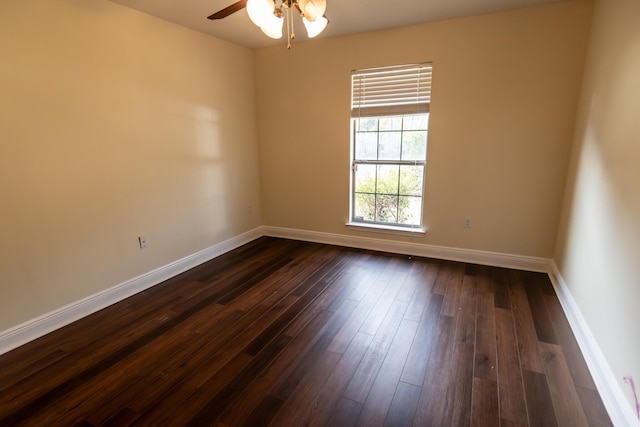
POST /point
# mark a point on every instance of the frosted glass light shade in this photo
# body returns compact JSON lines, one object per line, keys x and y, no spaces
{"x":273,"y":27}
{"x":260,"y":11}
{"x":316,"y":27}
{"x":313,"y":9}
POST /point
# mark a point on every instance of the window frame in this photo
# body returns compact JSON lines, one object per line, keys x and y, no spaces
{"x":419,"y":227}
{"x":394,"y":108}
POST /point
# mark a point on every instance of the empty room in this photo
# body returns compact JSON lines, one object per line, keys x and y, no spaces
{"x":320,"y":212}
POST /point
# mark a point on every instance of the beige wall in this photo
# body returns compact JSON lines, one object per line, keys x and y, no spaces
{"x":505,"y":90}
{"x":115,"y":124}
{"x":598,"y":251}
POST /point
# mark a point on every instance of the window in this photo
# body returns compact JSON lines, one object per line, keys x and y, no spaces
{"x":390,"y":123}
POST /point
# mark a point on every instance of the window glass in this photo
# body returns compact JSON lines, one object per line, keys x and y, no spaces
{"x":388,"y":169}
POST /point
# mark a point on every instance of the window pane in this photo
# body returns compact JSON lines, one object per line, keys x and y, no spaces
{"x":365,"y":179}
{"x":390,"y":193}
{"x":417,"y":122}
{"x":391,"y":123}
{"x":364,"y":209}
{"x":387,"y":208}
{"x":409,"y":210}
{"x":367,"y":124}
{"x":387,"y":182}
{"x":366,"y":146}
{"x":414,"y":145}
{"x":389,"y":146}
{"x":411,"y":179}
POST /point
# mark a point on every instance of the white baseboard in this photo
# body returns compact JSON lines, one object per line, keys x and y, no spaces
{"x":415,"y":249}
{"x":613,"y":397}
{"x":35,"y":328}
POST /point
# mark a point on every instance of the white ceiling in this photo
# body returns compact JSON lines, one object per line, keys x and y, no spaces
{"x":345,"y":16}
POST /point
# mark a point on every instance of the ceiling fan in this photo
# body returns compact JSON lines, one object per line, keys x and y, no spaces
{"x":270,"y":15}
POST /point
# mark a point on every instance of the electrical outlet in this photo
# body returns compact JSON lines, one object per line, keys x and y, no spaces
{"x":142,"y":240}
{"x":250,"y":208}
{"x":467,"y":222}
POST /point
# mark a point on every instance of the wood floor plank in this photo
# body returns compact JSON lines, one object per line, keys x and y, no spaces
{"x":328,"y":273}
{"x":346,"y":413}
{"x":423,"y":291}
{"x":368,"y":271}
{"x":525,"y":329}
{"x":459,"y":411}
{"x":485,"y":339}
{"x":291,"y":307}
{"x":418,"y":357}
{"x":294,"y":409}
{"x":356,"y":320}
{"x":539,"y":403}
{"x":336,"y":293}
{"x":246,"y":281}
{"x":33,"y":393}
{"x":485,"y":278}
{"x":263,"y":413}
{"x":411,"y":281}
{"x":124,"y":417}
{"x":507,"y":423}
{"x":541,"y":319}
{"x":437,"y":388}
{"x":251,"y":396}
{"x":307,"y":350}
{"x":287,"y":332}
{"x":544,"y":283}
{"x":203,"y":398}
{"x":365,"y":375}
{"x":563,"y":392}
{"x":484,"y":407}
{"x":500,"y":278}
{"x":166,"y":362}
{"x":593,"y":407}
{"x":285,"y":280}
{"x":331,"y":300}
{"x":447,"y":271}
{"x":162,"y":412}
{"x":451,"y":301}
{"x":511,"y":388}
{"x":375,"y":316}
{"x":237,"y":338}
{"x":22,"y":369}
{"x":100,"y":398}
{"x":467,"y":313}
{"x":215,"y":406}
{"x":578,"y":366}
{"x":381,"y":394}
{"x":403,"y":406}
{"x":318,"y":410}
{"x":397,"y":268}
{"x":271,"y":328}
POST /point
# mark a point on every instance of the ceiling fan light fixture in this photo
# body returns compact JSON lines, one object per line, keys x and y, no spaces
{"x":271,"y":15}
{"x":260,"y":11}
{"x":315,"y":27}
{"x":313,"y":9}
{"x":273,"y":27}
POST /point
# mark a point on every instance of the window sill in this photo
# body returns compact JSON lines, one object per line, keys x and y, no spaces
{"x":388,"y":229}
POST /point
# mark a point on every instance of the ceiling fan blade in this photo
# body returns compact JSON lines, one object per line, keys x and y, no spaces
{"x":228,"y":10}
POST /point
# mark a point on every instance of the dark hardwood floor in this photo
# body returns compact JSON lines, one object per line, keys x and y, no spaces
{"x":287,"y":333}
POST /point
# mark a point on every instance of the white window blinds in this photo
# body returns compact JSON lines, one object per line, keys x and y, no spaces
{"x":404,"y":89}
